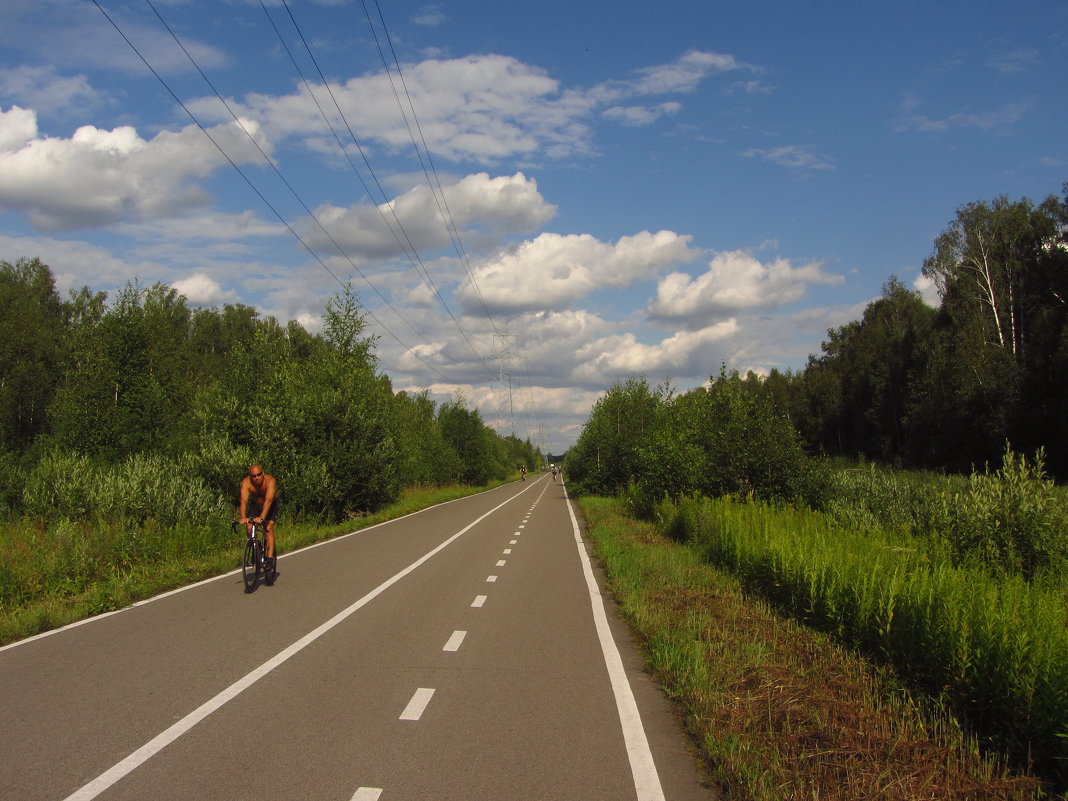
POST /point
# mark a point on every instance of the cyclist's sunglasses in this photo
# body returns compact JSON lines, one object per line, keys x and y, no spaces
{"x":254,"y":475}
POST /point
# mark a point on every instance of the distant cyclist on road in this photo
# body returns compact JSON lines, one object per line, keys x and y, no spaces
{"x":554,"y":472}
{"x":523,"y":472}
{"x":259,"y":503}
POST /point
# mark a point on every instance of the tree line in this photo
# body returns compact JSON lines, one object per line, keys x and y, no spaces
{"x":213,"y":389}
{"x":950,"y":388}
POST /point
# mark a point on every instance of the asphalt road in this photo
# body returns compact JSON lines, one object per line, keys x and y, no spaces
{"x":462,"y":652}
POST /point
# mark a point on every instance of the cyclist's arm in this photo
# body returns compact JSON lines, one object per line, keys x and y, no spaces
{"x":269,"y":491}
{"x":243,"y":504}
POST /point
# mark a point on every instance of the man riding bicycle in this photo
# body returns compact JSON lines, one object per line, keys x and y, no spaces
{"x":259,"y":504}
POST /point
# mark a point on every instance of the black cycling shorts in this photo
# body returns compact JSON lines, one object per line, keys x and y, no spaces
{"x":255,"y":511}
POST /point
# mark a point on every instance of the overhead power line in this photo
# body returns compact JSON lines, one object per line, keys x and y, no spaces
{"x":418,"y":262}
{"x":504,"y":355}
{"x":293,"y":191}
{"x":245,"y":177}
{"x":442,"y":203}
{"x":402,"y":238}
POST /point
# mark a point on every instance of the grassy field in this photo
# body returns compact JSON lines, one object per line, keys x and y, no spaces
{"x":778,"y":710}
{"x":55,"y":574}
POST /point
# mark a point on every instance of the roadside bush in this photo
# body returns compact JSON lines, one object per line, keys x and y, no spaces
{"x":59,"y":486}
{"x":667,"y":468}
{"x":1012,"y":520}
{"x":66,"y":486}
{"x":726,"y":439}
{"x":607,"y":457}
{"x":153,"y":487}
{"x":220,"y":464}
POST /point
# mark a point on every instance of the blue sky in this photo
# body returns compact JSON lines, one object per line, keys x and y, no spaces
{"x":603,"y":189}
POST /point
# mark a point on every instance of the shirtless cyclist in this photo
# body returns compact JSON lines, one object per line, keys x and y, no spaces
{"x":259,"y":503}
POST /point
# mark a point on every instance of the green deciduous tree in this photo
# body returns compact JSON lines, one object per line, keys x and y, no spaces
{"x":750,"y":448}
{"x":1002,"y":272}
{"x":127,"y":381}
{"x":469,"y":437}
{"x":425,"y":457}
{"x":859,"y":391}
{"x":607,"y":455}
{"x":32,"y":329}
{"x":313,"y":411}
{"x":729,"y":438}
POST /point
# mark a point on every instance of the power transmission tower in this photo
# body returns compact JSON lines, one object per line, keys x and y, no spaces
{"x":504,"y":350}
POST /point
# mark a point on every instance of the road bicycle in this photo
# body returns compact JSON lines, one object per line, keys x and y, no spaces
{"x":255,"y":562}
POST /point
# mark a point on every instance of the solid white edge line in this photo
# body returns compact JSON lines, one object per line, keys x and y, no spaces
{"x":169,"y":735}
{"x":417,"y":706}
{"x":642,"y":767}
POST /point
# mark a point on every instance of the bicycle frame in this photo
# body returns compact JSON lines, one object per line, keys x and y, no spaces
{"x":255,"y":562}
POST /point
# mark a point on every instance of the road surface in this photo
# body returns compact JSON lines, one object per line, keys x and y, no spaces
{"x":462,"y":652}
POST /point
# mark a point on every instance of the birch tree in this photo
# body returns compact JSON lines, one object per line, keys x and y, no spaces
{"x":1001,"y":270}
{"x":986,"y":265}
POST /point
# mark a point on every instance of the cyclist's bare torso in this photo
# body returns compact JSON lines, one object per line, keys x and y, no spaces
{"x":259,"y":492}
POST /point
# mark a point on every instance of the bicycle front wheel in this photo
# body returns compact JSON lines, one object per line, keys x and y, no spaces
{"x":250,"y":567}
{"x":268,"y":566}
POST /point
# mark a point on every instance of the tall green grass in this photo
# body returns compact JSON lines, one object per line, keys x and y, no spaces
{"x":1010,"y":521}
{"x":777,"y":710}
{"x":996,"y":648}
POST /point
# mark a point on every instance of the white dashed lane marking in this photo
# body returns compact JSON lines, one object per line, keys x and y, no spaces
{"x":417,"y":705}
{"x":454,"y":641}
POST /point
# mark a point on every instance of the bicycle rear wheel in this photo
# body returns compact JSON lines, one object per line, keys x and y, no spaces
{"x":250,"y":567}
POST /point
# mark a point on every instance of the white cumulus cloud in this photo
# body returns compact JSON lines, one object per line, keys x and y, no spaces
{"x":482,"y":209}
{"x":554,"y":270}
{"x":97,"y":177}
{"x":484,"y":107}
{"x":201,"y":289}
{"x":735,"y":281}
{"x":683,"y":353}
